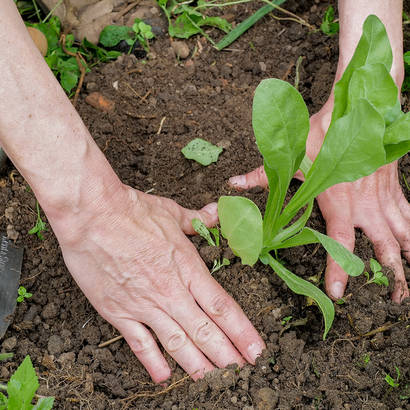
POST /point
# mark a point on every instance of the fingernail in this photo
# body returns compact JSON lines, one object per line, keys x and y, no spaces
{"x":211,"y":208}
{"x":254,"y":351}
{"x":337,"y":290}
{"x":238,"y":181}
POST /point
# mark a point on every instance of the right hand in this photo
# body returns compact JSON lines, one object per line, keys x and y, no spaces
{"x":132,"y":260}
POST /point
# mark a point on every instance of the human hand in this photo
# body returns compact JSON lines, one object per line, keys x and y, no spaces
{"x":374,"y":204}
{"x":133,"y":262}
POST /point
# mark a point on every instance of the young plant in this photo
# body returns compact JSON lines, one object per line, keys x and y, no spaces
{"x":201,"y":151}
{"x":40,"y":225}
{"x":21,"y":390}
{"x":23,"y":294}
{"x":329,"y":25}
{"x":60,"y":58}
{"x":184,"y":20}
{"x":367,"y":131}
{"x":140,"y":32}
{"x":379,"y":277}
{"x":218,"y":264}
{"x":393,"y":382}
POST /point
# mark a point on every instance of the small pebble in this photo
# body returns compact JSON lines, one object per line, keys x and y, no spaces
{"x":180,"y":48}
{"x":9,"y":344}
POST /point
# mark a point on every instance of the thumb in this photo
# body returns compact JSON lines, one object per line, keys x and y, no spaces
{"x":257,"y":177}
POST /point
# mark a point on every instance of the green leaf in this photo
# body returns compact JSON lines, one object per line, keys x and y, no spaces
{"x":353,"y":148}
{"x":348,"y":261}
{"x":281,"y":138}
{"x":3,"y":402}
{"x":303,"y":287}
{"x":5,"y":356}
{"x":329,"y":26}
{"x":51,"y":35}
{"x":215,"y":233}
{"x":201,"y":151}
{"x":44,"y":403}
{"x":373,"y":83}
{"x":380,"y":279}
{"x":375,"y":266}
{"x":241,"y":225}
{"x":292,"y":230}
{"x":396,"y":138}
{"x":373,"y":47}
{"x":22,"y":386}
{"x":203,"y":231}
{"x":111,"y":35}
{"x":68,"y":80}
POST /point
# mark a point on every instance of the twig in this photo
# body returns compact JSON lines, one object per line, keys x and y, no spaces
{"x":80,"y":60}
{"x":113,"y":340}
{"x":125,"y":10}
{"x":140,"y":116}
{"x":160,"y":125}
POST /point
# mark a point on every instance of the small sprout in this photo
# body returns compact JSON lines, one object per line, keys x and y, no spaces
{"x":5,"y":356}
{"x":201,"y":151}
{"x":393,"y":382}
{"x":204,"y":232}
{"x":215,"y":233}
{"x":379,"y":278}
{"x":218,"y":264}
{"x":285,"y":320}
{"x":340,"y":301}
{"x":23,"y":294}
{"x":363,"y":361}
{"x":329,"y":25}
{"x":40,"y":225}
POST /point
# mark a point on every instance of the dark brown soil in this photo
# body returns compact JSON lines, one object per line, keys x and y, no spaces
{"x":209,"y":96}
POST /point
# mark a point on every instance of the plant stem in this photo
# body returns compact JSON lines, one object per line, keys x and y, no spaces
{"x":52,"y":11}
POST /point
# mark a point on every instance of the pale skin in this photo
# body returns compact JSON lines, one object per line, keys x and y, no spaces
{"x":127,"y":250}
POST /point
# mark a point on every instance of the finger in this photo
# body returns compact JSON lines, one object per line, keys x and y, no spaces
{"x":208,"y":214}
{"x":144,"y":347}
{"x":387,"y":251}
{"x":176,"y":342}
{"x":339,"y":226}
{"x":257,"y":177}
{"x":227,"y":314}
{"x":404,"y":206}
{"x":204,"y":333}
{"x":399,"y":226}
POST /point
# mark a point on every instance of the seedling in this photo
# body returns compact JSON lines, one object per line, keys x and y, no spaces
{"x":184,"y":20}
{"x":367,"y":131}
{"x":201,"y":151}
{"x":40,"y":225}
{"x":393,"y":382}
{"x":203,"y":231}
{"x":364,"y":361}
{"x":286,"y":320}
{"x":218,"y":264}
{"x":23,"y":294}
{"x":112,"y":35}
{"x":329,"y":25}
{"x":378,"y":276}
{"x":21,"y":389}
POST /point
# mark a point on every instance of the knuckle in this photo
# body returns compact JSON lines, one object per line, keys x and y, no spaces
{"x":141,"y":344}
{"x":221,"y":305}
{"x":203,"y":332}
{"x":176,"y":341}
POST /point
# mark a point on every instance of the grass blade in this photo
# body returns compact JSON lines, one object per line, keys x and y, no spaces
{"x":246,"y":24}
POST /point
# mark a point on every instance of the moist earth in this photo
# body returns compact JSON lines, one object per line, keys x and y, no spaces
{"x":161,"y":104}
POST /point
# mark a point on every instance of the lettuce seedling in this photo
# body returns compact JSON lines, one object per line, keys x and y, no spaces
{"x":367,"y":130}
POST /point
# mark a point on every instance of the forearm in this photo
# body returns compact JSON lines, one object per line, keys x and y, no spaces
{"x":40,"y":129}
{"x":352,"y":14}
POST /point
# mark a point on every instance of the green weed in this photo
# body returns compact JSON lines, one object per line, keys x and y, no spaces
{"x":40,"y":225}
{"x":379,"y":277}
{"x":23,"y":294}
{"x":329,"y":25}
{"x":21,"y":390}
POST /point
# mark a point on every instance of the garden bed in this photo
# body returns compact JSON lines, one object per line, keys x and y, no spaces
{"x":159,"y":107}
